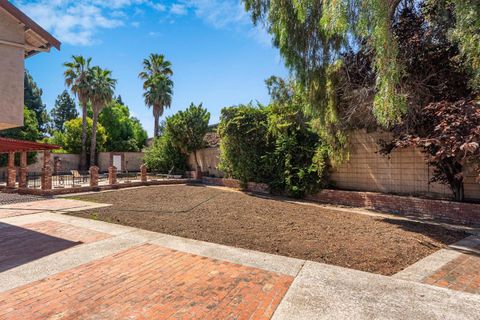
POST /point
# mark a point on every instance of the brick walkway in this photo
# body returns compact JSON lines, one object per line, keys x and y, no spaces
{"x":150,"y":282}
{"x":22,"y":244}
{"x":462,"y":274}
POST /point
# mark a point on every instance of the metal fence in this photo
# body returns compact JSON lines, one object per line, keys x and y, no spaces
{"x":59,"y":180}
{"x":128,"y":176}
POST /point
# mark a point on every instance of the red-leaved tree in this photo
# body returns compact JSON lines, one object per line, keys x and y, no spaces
{"x":449,"y":135}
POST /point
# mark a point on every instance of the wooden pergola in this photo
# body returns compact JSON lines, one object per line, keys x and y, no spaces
{"x":12,"y":146}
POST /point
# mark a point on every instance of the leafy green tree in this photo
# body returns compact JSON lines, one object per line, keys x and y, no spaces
{"x":71,"y":140}
{"x":275,"y":144}
{"x":63,"y":111}
{"x":139,"y":134}
{"x":187,"y":129}
{"x":243,"y":134}
{"x":124,"y":133}
{"x":163,"y":156}
{"x":33,"y":101}
{"x":313,"y":37}
{"x":158,"y":86}
{"x":76,"y":78}
{"x":102,"y":87}
{"x":29,"y":131}
{"x":297,"y":164}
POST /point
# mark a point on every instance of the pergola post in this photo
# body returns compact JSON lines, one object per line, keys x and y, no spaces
{"x":94,"y":176}
{"x":143,"y":173}
{"x":46,"y":171}
{"x":112,"y":175}
{"x":22,"y":181}
{"x":11,"y":172}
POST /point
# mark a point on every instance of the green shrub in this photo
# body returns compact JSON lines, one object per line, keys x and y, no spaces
{"x":164,"y":157}
{"x":243,"y":135}
{"x":274,"y":145}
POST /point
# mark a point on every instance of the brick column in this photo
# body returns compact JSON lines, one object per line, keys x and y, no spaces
{"x":11,"y":172}
{"x":112,"y":175}
{"x":143,"y":173}
{"x":94,"y":176}
{"x":46,"y":171}
{"x":22,"y":181}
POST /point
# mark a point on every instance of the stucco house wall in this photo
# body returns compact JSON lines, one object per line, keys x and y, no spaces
{"x":11,"y":72}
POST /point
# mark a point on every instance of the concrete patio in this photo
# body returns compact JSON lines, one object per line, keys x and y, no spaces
{"x":55,"y":266}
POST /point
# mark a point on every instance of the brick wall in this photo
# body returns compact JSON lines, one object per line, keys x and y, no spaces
{"x":234,"y":183}
{"x":403,"y":172}
{"x":464,"y":213}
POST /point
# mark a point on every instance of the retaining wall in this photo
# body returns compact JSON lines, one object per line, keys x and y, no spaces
{"x":457,"y":212}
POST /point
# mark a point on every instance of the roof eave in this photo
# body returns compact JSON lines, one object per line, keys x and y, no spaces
{"x":30,"y":24}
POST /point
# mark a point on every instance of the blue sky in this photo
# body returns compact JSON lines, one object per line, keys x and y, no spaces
{"x":218,"y":56}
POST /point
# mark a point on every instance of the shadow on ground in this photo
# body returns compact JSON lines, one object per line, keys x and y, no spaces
{"x":20,"y":245}
{"x":438,"y":233}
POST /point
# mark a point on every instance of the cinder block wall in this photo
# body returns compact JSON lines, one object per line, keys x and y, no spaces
{"x":208,"y":159}
{"x":402,"y":172}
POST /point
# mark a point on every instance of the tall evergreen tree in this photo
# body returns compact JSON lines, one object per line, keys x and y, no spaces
{"x":33,"y":101}
{"x":63,"y":111}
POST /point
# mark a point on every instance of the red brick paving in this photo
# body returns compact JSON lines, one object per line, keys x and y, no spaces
{"x":67,"y":231}
{"x":149,"y":282}
{"x":462,"y":274}
{"x":22,"y":244}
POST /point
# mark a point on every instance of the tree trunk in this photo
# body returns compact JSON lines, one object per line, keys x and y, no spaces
{"x":93,"y":146}
{"x":196,"y":161}
{"x":156,"y":115}
{"x":83,"y":153}
{"x":458,"y":191}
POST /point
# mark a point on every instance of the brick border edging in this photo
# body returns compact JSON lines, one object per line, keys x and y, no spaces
{"x":456,"y":212}
{"x":235,"y":184}
{"x":60,"y":191}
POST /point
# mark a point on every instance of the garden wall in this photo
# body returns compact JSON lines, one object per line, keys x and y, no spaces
{"x":403,"y":172}
{"x":208,"y":159}
{"x":68,"y":162}
{"x":234,"y":183}
{"x":131,"y":161}
{"x":457,"y":212}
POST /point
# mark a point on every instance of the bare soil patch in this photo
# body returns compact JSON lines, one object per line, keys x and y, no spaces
{"x":373,"y":244}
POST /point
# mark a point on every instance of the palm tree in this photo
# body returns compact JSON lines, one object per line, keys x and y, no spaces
{"x":157,"y":85}
{"x":101,"y":90}
{"x":76,"y":79}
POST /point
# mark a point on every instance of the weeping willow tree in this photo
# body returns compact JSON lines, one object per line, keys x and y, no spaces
{"x":314,"y":37}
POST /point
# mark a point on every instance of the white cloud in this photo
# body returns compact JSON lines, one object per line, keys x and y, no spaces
{"x":77,"y":22}
{"x":178,"y":9}
{"x":220,"y":14}
{"x":229,"y":14}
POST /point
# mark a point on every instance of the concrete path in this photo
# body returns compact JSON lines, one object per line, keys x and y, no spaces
{"x":73,"y":268}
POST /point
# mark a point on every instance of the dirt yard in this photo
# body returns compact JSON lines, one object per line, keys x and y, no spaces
{"x":351,"y":240}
